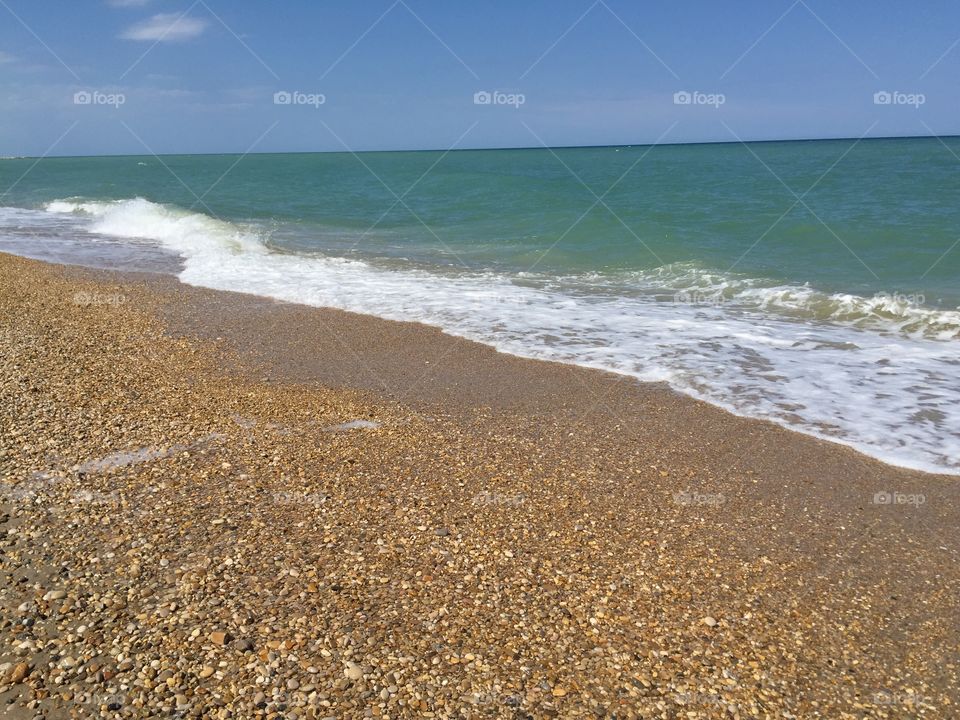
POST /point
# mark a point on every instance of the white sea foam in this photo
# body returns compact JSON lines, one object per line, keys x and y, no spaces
{"x":877,"y":373}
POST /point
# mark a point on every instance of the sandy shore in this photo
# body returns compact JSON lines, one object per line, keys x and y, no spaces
{"x":222,"y":506}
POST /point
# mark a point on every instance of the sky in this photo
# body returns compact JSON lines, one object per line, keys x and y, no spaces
{"x":92,"y":77}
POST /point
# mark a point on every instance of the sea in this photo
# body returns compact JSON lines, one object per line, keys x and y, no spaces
{"x":812,"y":283}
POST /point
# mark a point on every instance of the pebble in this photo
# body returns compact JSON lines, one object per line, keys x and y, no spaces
{"x":18,"y":672}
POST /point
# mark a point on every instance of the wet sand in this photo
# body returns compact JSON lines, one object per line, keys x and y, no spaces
{"x":513,"y":539}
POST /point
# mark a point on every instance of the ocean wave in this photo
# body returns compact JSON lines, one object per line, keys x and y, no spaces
{"x":190,"y":232}
{"x":887,"y":312}
{"x":180,"y":230}
{"x":876,"y":373}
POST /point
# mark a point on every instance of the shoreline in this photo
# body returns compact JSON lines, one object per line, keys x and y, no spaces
{"x":407,"y":335}
{"x":688,"y":558}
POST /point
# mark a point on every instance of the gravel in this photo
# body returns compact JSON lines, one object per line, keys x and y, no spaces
{"x":161,"y":558}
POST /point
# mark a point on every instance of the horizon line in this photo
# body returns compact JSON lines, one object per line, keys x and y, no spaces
{"x":492,"y":149}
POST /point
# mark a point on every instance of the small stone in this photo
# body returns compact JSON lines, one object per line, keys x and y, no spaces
{"x":353,"y":671}
{"x":18,"y":672}
{"x":292,"y":684}
{"x":442,"y":532}
{"x":559,"y":692}
{"x":219,"y":638}
{"x":709,"y":621}
{"x":206,"y":672}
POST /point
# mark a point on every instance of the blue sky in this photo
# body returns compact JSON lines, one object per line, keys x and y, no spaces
{"x":170,"y":76}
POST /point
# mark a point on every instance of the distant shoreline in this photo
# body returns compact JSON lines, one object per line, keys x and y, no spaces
{"x":492,"y":149}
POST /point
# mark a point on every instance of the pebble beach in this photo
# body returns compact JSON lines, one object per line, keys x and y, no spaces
{"x":221,"y":506}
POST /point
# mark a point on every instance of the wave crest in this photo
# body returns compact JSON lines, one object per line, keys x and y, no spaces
{"x":182,"y":231}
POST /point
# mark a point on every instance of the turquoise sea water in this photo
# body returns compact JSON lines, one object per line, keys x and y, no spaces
{"x":813,"y":283}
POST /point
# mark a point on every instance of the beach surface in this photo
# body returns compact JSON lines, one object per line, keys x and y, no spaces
{"x":225,"y":506}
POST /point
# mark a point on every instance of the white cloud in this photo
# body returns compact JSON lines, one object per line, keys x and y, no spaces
{"x":166,"y":27}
